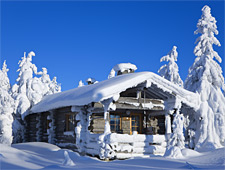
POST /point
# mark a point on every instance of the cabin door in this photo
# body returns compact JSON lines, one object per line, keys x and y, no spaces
{"x":135,"y":123}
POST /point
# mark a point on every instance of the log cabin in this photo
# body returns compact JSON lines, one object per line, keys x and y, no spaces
{"x":122,"y":117}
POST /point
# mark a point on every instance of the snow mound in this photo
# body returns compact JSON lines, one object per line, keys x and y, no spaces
{"x":35,"y":155}
{"x":215,"y":157}
{"x":36,"y":147}
{"x":174,"y":152}
{"x":67,"y":161}
{"x":190,"y":153}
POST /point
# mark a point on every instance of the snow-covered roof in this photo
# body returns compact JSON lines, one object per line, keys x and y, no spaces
{"x":124,"y":66}
{"x":108,"y":88}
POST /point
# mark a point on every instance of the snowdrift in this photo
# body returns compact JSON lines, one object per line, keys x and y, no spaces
{"x":38,"y":155}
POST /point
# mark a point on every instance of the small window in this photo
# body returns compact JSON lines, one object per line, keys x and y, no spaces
{"x":69,"y":122}
{"x":115,"y":123}
{"x":46,"y":123}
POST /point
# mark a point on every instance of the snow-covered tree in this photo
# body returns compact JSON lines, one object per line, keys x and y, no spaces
{"x":170,"y":71}
{"x":21,"y":90}
{"x":81,"y":84}
{"x":29,"y":90}
{"x":205,"y":77}
{"x":176,"y":141}
{"x":54,"y":87}
{"x":6,"y":107}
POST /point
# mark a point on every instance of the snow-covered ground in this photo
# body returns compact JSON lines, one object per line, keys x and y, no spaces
{"x":38,"y":155}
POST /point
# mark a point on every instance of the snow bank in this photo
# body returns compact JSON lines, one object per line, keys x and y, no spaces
{"x":39,"y":155}
{"x":109,"y":88}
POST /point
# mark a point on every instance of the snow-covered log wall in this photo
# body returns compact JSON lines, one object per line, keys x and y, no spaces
{"x":122,"y":146}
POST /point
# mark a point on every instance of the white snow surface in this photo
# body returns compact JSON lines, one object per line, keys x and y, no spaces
{"x":124,"y":66}
{"x":39,"y":155}
{"x":109,"y":88}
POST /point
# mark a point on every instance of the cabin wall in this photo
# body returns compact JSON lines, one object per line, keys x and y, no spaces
{"x":44,"y":126}
{"x":64,"y":139}
{"x":31,"y":129}
{"x":41,"y":127}
{"x":151,"y":124}
{"x":97,"y":123}
{"x":155,"y":125}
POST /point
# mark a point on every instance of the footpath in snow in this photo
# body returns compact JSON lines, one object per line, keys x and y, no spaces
{"x":38,"y":155}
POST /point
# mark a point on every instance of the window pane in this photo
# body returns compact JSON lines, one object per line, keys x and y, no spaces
{"x":115,"y":123}
{"x":135,"y":123}
{"x":69,"y":122}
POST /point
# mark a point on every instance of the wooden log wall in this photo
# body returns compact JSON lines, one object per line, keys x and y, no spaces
{"x":155,"y":122}
{"x":31,"y":130}
{"x":64,"y":139}
{"x":61,"y":138}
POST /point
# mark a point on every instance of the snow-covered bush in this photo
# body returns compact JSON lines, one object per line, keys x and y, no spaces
{"x":6,"y":107}
{"x":205,"y":77}
{"x":170,"y":71}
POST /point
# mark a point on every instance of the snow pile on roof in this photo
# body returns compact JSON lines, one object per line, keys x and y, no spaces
{"x":109,"y":88}
{"x":121,"y":68}
{"x":124,"y":66}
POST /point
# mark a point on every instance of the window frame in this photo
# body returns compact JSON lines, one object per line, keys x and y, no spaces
{"x":115,"y":124}
{"x":67,"y":122}
{"x":140,"y":123}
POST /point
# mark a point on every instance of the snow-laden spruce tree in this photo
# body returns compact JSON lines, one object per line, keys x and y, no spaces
{"x":22,"y":95}
{"x":170,"y":71}
{"x":20,"y":90}
{"x":205,"y":77}
{"x":54,"y":87}
{"x":29,"y":90}
{"x":176,"y":141}
{"x":6,"y":107}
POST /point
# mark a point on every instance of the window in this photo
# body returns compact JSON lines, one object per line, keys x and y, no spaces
{"x":126,"y":124}
{"x":135,"y":123}
{"x":115,"y":123}
{"x":69,"y":122}
{"x":46,"y":122}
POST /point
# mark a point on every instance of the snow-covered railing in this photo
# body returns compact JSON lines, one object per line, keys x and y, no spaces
{"x":126,"y":146}
{"x":123,"y":146}
{"x":93,"y":146}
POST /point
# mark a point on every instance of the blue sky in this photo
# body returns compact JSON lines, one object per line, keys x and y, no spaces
{"x":76,"y":40}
